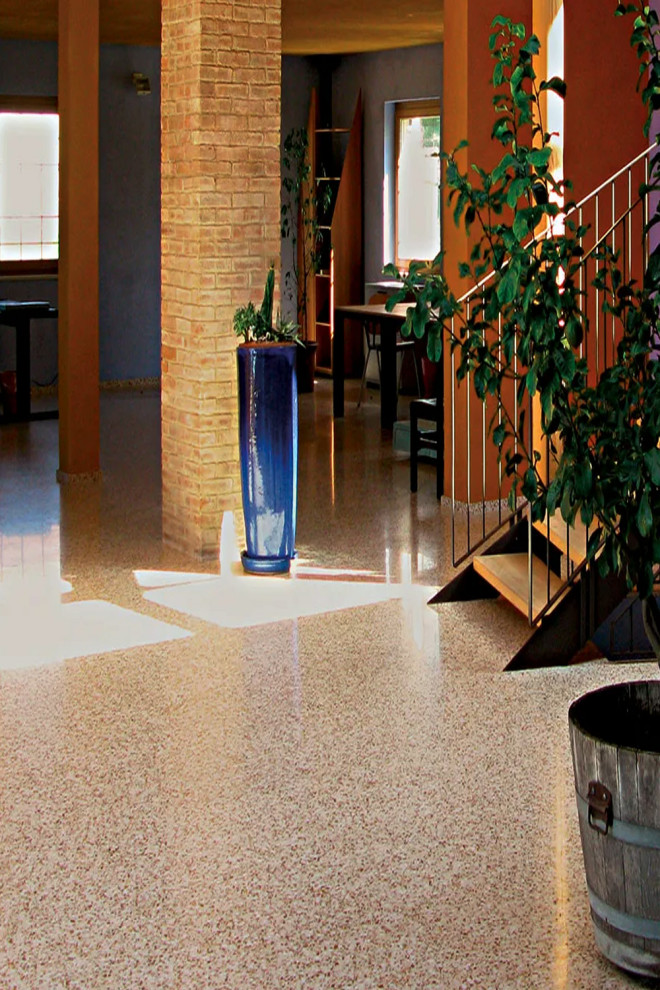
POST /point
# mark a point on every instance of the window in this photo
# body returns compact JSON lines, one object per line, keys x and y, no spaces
{"x":417,"y":186}
{"x":29,"y":185}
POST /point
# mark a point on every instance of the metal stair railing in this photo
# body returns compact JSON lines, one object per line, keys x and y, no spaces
{"x":614,"y":215}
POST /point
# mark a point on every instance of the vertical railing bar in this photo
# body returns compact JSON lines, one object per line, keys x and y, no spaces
{"x":613,"y":321}
{"x":453,"y":449}
{"x":597,"y":315}
{"x":483,"y":469}
{"x":631,"y":629}
{"x":499,"y":422}
{"x":515,"y":394}
{"x":530,"y":562}
{"x":468,"y":419}
{"x":645,"y":218}
{"x":581,"y":276}
{"x":547,"y":514}
{"x":630,"y":222}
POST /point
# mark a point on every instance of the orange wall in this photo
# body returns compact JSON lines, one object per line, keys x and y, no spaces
{"x":78,"y":88}
{"x":603,"y":112}
{"x":468,"y":114}
{"x":603,"y":118}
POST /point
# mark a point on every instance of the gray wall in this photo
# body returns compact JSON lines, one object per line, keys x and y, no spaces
{"x":402,"y":74}
{"x":129,"y":206}
{"x":129,"y":214}
{"x":129,"y":210}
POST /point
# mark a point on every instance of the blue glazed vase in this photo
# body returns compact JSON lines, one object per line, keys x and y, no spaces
{"x":268,"y":440}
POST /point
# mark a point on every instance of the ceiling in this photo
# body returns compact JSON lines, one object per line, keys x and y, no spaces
{"x":309,"y":27}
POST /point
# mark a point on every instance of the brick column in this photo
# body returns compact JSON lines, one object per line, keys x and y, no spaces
{"x":221,"y":71}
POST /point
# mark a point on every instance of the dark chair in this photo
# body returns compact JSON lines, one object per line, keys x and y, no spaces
{"x":423,"y":438}
{"x":372,"y":339}
{"x":371,"y":330}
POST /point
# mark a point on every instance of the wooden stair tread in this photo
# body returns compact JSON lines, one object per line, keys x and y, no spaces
{"x":507,"y":573}
{"x":576,"y":544}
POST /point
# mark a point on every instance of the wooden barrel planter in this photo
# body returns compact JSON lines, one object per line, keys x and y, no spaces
{"x":615,"y":739}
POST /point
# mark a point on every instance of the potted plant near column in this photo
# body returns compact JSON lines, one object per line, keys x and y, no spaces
{"x":601,"y":431}
{"x":268,"y":433}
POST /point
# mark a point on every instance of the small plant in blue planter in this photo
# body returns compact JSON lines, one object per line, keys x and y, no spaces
{"x":268,"y":433}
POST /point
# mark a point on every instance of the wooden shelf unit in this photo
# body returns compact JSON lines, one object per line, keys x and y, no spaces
{"x":335,"y":157}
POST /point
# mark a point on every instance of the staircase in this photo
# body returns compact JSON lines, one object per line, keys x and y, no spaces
{"x":541,"y":568}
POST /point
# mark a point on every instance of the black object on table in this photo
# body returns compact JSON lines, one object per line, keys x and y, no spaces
{"x":19,"y":316}
{"x":390,"y":324}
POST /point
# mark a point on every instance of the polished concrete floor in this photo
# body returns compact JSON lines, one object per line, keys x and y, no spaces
{"x":209,"y":780}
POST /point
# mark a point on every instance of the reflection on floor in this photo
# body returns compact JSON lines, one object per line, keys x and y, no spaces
{"x":304,"y":783}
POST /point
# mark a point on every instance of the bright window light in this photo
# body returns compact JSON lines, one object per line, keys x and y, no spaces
{"x":417,"y":182}
{"x":29,"y":186}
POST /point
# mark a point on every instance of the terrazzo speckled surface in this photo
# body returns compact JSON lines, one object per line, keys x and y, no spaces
{"x":356,"y":798}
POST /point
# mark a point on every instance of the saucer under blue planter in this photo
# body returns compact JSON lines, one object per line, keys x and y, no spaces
{"x":265,"y":565}
{"x":268,"y":442}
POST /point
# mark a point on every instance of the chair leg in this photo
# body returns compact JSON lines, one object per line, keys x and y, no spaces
{"x":413,"y":449}
{"x":364,"y":372}
{"x":440,"y":460}
{"x":420,"y":392}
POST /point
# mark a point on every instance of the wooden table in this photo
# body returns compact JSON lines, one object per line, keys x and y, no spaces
{"x":390,"y":324}
{"x":19,"y":315}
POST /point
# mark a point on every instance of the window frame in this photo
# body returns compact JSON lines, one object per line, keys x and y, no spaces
{"x":402,"y":110}
{"x":29,"y":104}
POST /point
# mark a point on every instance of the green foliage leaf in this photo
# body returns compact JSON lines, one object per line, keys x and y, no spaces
{"x":583,"y":478}
{"x":532,"y":46}
{"x":539,"y":157}
{"x":556,"y":85}
{"x":419,"y":320}
{"x":573,"y":331}
{"x":652,"y":462}
{"x":520,"y":226}
{"x":644,"y":515}
{"x":499,"y":434}
{"x":652,"y":274}
{"x":508,"y":286}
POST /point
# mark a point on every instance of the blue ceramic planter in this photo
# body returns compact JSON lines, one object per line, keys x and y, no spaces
{"x":268,"y":439}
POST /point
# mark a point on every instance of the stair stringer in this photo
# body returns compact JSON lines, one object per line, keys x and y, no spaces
{"x":566,"y":629}
{"x":571,"y":623}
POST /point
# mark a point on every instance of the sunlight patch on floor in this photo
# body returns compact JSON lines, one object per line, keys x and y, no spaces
{"x":236,"y":602}
{"x":36,"y":632}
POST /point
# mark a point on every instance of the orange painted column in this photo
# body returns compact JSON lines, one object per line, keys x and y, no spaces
{"x":78,"y":87}
{"x":468,"y":114}
{"x":604,"y":118}
{"x":603,"y":115}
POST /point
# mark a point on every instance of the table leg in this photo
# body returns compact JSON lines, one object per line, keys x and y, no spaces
{"x":388,"y":382}
{"x":338,"y":367}
{"x":22,"y":327}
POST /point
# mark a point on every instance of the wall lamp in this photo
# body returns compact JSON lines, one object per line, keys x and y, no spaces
{"x":141,"y":83}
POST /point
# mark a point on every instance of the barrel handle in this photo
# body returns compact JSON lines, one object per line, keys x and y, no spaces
{"x":599,"y":800}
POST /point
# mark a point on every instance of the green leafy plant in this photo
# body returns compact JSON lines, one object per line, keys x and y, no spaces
{"x":254,"y":324}
{"x":601,"y":432}
{"x":303,"y":201}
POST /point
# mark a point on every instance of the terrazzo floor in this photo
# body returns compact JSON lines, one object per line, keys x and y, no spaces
{"x":209,"y":780}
